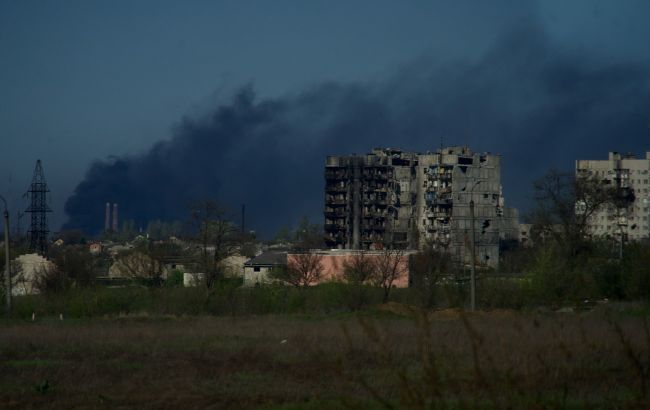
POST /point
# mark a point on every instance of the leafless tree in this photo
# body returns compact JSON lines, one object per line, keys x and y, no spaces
{"x":138,"y":265}
{"x":218,"y":237}
{"x":359,"y":270}
{"x":303,"y":269}
{"x":389,"y":266}
{"x":565,"y":205}
{"x":427,"y":268}
{"x":76,"y":263}
{"x":46,"y":279}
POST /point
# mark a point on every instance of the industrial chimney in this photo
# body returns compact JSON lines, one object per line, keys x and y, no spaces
{"x":107,"y":217}
{"x":115,"y":218}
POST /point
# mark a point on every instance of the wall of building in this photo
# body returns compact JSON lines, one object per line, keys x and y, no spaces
{"x":25,"y":271}
{"x":333,"y":264}
{"x":257,"y":275}
{"x":626,"y":172}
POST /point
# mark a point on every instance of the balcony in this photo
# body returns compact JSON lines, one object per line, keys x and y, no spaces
{"x":373,"y":227}
{"x":338,"y":212}
{"x":335,"y":201}
{"x":331,"y":227}
{"x":336,"y":188}
{"x":336,"y":174}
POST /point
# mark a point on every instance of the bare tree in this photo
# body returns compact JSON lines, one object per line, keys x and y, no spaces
{"x":219,"y":238}
{"x":359,"y":270}
{"x":566,"y":204}
{"x":427,"y":269}
{"x":77,"y":264}
{"x":138,"y":265}
{"x":389,"y":266}
{"x":302,"y":270}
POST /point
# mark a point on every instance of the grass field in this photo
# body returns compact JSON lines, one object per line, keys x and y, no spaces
{"x":382,"y":358}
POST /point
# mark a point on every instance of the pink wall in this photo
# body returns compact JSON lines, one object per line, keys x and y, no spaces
{"x":333,"y":266}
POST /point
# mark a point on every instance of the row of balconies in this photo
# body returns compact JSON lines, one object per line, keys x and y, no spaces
{"x":372,"y":238}
{"x":336,"y":173}
{"x":334,"y":227}
{"x":373,"y":227}
{"x":335,"y":212}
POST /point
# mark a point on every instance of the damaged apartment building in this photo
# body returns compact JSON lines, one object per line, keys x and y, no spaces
{"x":396,"y":199}
{"x":631,"y":178}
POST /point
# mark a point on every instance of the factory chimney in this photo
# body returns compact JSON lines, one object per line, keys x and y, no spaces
{"x":107,"y":217}
{"x":115,"y":218}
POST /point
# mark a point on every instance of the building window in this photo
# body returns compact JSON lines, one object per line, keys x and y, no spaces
{"x":256,"y":269}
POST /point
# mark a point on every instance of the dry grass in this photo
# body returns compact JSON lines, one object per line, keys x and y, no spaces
{"x":448,"y":359}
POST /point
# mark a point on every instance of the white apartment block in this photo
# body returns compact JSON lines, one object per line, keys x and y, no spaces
{"x":625,"y":172}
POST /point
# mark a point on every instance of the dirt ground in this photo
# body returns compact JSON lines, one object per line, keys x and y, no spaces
{"x":391,"y":358}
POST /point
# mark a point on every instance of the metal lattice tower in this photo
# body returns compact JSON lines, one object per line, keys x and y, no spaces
{"x":38,"y":208}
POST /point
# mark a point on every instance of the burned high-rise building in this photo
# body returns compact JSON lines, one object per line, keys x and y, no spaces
{"x":391,"y":198}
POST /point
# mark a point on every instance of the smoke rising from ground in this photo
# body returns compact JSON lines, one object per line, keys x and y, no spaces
{"x":536,"y":103}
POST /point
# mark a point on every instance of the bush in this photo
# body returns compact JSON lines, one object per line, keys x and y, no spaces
{"x":174,"y":279}
{"x":635,"y":272}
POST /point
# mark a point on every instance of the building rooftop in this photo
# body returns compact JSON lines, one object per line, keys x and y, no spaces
{"x":269,"y":258}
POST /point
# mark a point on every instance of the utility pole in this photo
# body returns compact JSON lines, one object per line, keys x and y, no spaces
{"x":7,"y":261}
{"x":473,"y":274}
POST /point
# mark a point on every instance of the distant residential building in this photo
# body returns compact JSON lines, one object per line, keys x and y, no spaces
{"x":26,"y":271}
{"x":257,"y":270}
{"x":631,"y":176}
{"x":524,"y":234}
{"x":527,"y":236}
{"x":193,"y":279}
{"x":95,"y":248}
{"x":412,"y":201}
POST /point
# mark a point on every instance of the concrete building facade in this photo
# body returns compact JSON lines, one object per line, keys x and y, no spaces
{"x":410,"y":200}
{"x":631,"y":176}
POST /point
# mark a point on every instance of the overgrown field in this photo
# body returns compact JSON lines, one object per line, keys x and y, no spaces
{"x":389,"y":357}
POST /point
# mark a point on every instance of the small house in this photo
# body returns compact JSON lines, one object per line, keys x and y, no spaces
{"x":257,"y":270}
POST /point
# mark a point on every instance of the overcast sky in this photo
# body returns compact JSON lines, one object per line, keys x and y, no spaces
{"x":88,"y":80}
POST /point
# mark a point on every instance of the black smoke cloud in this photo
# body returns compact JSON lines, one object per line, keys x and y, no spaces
{"x":535,"y":102}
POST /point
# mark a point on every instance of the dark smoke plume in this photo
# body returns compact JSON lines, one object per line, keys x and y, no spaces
{"x":536,"y":103}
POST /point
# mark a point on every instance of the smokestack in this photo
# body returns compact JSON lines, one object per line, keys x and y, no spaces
{"x":107,"y":217}
{"x":115,"y":218}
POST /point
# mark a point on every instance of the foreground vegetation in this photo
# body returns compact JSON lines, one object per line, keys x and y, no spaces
{"x":389,"y":357}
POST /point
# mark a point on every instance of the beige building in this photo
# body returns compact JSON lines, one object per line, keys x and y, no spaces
{"x":631,"y":176}
{"x":26,"y":270}
{"x":411,"y":200}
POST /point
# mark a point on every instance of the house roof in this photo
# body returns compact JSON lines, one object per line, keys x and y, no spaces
{"x":268,"y":258}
